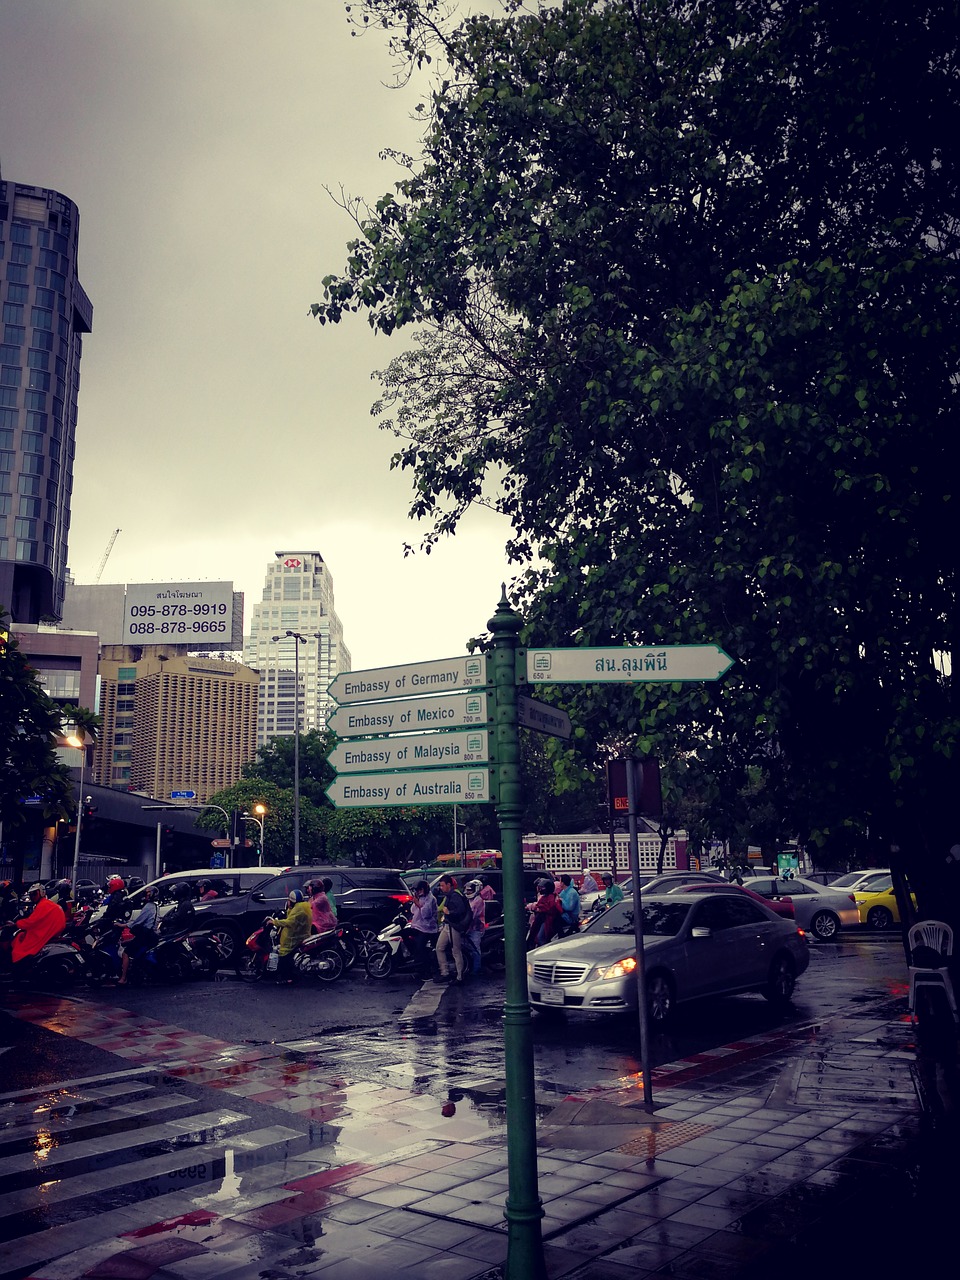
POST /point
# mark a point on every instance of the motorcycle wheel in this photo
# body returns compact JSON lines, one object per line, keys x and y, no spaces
{"x":251,"y":966}
{"x":179,"y":969}
{"x":327,"y":965}
{"x":348,"y":952}
{"x":56,"y":973}
{"x":101,"y":970}
{"x":380,"y":962}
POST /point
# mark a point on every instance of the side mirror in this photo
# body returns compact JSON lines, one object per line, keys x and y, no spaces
{"x":701,"y":931}
{"x":257,"y":896}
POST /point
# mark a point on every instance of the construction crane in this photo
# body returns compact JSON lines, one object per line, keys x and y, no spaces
{"x":106,"y":555}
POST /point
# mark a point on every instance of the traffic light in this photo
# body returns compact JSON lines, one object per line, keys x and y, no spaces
{"x":89,"y":812}
{"x":167,"y":835}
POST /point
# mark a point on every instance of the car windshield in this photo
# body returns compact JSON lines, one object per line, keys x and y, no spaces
{"x":660,"y":919}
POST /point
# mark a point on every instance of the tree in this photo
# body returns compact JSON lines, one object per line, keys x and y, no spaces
{"x":684,"y":281}
{"x":30,"y":723}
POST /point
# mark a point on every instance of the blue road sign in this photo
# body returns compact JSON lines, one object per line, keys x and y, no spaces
{"x":183,"y":795}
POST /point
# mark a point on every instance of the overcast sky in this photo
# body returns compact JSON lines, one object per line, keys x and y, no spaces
{"x":218,"y":422}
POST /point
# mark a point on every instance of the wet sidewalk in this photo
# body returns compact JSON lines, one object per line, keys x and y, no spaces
{"x":356,"y":1159}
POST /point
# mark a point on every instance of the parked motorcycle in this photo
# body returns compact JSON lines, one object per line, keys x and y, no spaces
{"x":393,"y":951}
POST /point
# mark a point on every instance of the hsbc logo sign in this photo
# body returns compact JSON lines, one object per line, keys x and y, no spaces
{"x":292,"y":564}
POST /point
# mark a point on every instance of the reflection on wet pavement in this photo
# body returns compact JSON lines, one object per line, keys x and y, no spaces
{"x":386,"y":1148}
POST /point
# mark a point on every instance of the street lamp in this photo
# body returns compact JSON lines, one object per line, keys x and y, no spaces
{"x":258,"y":816}
{"x":300,"y":639}
{"x":81,"y":740}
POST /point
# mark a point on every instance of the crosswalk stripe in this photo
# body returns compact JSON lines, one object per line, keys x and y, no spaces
{"x":43,"y":1163}
{"x":71,"y":1125}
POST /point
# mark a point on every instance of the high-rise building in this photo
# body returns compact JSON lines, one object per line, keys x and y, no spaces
{"x":173,"y":722}
{"x":297,"y":596}
{"x":45,"y":312}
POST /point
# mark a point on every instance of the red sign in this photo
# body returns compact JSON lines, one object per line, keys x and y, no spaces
{"x":292,"y":564}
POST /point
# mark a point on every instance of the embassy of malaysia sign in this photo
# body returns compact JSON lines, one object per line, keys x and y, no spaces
{"x":382,"y":763}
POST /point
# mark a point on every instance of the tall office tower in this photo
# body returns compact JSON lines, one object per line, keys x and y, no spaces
{"x":174,"y":723}
{"x":45,"y":312}
{"x":297,"y":596}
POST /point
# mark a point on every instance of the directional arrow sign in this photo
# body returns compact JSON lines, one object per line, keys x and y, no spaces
{"x":437,"y":676}
{"x":468,"y":746}
{"x":542,"y":717}
{"x":633,"y":664}
{"x":452,"y":711}
{"x":183,"y":795}
{"x":429,"y":786}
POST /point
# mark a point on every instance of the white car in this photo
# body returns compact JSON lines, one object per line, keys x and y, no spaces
{"x":694,"y":945}
{"x":870,"y":881}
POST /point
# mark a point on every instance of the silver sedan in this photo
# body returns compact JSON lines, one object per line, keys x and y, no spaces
{"x":694,"y":946}
{"x":820,"y":910}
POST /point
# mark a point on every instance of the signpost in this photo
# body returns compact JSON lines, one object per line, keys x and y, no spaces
{"x":414,"y":751}
{"x":183,"y":795}
{"x":533,"y":714}
{"x":449,"y":711}
{"x":439,"y":676}
{"x":473,"y":739}
{"x":663,"y":664}
{"x":426,"y":786}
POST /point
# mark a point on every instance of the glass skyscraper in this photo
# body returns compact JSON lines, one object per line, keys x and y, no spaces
{"x":45,"y":312}
{"x":297,"y":596}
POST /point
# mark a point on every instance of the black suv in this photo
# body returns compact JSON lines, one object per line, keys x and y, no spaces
{"x":368,"y":897}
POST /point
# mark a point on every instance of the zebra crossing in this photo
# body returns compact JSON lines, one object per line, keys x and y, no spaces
{"x":81,"y":1164}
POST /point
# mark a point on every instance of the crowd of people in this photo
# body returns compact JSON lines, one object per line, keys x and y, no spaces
{"x":452,"y":919}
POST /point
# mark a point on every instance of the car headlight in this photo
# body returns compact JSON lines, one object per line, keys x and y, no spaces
{"x":622,"y":969}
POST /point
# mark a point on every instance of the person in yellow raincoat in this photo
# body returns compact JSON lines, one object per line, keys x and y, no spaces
{"x":293,"y":928}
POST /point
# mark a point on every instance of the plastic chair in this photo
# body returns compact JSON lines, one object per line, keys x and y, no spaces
{"x":931,"y":941}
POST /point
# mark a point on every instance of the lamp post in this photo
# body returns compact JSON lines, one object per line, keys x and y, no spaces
{"x":81,"y":740}
{"x":300,"y":639}
{"x":258,"y":816}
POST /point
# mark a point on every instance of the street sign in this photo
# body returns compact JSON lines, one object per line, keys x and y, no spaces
{"x":630,"y":664}
{"x":440,"y":675}
{"x":183,"y":795}
{"x":467,"y":746}
{"x":33,"y":799}
{"x":429,"y":786}
{"x":452,"y":711}
{"x":533,"y":714}
{"x":227,"y":843}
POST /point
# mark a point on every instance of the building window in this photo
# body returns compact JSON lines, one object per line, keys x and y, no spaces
{"x":31,"y":442}
{"x":41,"y":318}
{"x":12,"y":313}
{"x":10,"y":376}
{"x":127,"y":673}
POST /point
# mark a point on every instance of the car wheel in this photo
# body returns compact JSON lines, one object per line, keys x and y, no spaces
{"x":660,"y":998}
{"x":225,"y":941}
{"x":781,"y":981}
{"x":366,"y":939}
{"x":825,"y":926}
{"x":879,"y":918}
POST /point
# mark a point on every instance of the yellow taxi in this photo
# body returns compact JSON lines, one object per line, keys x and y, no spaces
{"x":878,"y":907}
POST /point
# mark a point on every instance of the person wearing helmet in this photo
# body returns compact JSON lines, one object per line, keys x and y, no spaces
{"x":62,"y":895}
{"x":183,"y":914}
{"x":134,"y":883}
{"x":293,"y":928}
{"x":116,"y":910}
{"x":206,"y":890}
{"x":545,"y":914}
{"x":34,"y":930}
{"x":474,"y":935}
{"x":143,"y":926}
{"x":612,"y":893}
{"x":569,"y":901}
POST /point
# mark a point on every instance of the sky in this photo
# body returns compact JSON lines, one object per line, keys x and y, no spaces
{"x":218,"y":423}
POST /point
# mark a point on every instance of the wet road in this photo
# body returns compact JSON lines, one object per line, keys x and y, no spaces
{"x":139,"y":1105}
{"x":860,"y":969}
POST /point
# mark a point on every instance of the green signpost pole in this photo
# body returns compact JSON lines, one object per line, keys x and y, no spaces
{"x":524,"y":1209}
